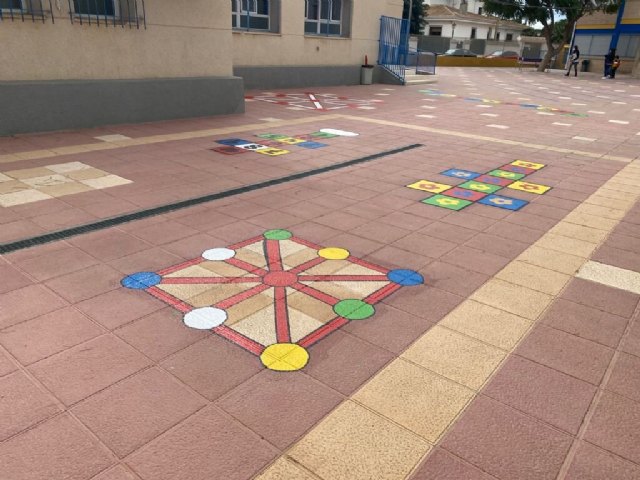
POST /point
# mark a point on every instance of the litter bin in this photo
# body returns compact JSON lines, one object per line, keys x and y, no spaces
{"x":366,"y":75}
{"x":585,"y":65}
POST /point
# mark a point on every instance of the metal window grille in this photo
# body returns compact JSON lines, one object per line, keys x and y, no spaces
{"x":108,"y":13}
{"x":24,"y":10}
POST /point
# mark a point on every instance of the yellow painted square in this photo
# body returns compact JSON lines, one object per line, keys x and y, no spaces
{"x":432,"y":187}
{"x":525,"y":164}
{"x":290,"y":140}
{"x":272,"y":152}
{"x":530,"y":187}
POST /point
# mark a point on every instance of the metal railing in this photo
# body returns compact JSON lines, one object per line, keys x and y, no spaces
{"x":426,"y":63}
{"x":394,"y":45}
{"x":108,"y":13}
{"x":33,"y":10}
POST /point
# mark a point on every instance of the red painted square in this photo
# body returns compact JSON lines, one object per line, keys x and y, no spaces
{"x":465,"y":194}
{"x":517,"y":169}
{"x":228,"y":150}
{"x":491,"y":180}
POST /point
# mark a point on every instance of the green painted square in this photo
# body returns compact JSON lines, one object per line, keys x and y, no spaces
{"x":323,"y":135}
{"x":480,"y":187}
{"x":507,"y":175}
{"x":449,"y":203}
{"x":272,"y":136}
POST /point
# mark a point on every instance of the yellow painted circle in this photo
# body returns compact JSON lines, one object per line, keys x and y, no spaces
{"x":284,"y":357}
{"x":333,"y":253}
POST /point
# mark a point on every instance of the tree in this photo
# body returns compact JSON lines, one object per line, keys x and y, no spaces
{"x":544,"y":12}
{"x":530,"y":32}
{"x":418,"y":15}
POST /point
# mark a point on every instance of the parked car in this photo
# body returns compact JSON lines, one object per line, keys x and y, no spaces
{"x":459,"y":52}
{"x":503,"y":54}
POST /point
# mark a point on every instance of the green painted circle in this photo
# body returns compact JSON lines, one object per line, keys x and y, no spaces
{"x":277,"y":234}
{"x":353,"y":309}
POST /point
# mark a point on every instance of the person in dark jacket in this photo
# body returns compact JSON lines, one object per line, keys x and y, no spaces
{"x":608,"y":62}
{"x":573,"y":61}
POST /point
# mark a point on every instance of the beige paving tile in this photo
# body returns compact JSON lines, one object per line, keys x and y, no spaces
{"x":534,"y":277}
{"x":68,"y":167}
{"x":29,"y":173}
{"x":415,"y":398}
{"x":563,"y":244}
{"x":611,"y":276}
{"x":608,"y":192}
{"x":621,"y":187}
{"x":284,"y":469}
{"x":10,"y":158}
{"x":86,"y":174}
{"x":622,"y":203}
{"x":70,"y":150}
{"x":512,"y":298}
{"x":353,"y":443}
{"x":112,"y":138}
{"x":4,"y":178}
{"x":106,"y":181}
{"x":600,"y":211}
{"x":487,"y":324}
{"x":50,"y":180}
{"x":65,"y":189}
{"x":455,"y":356}
{"x":587,"y":234}
{"x":592,"y":221}
{"x":13,"y":186}
{"x":551,"y":259}
{"x":22,"y":197}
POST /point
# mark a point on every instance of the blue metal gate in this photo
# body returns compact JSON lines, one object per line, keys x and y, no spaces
{"x":394,"y":45}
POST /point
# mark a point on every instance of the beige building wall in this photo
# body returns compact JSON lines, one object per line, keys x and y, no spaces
{"x":183,"y":38}
{"x":292,"y":47}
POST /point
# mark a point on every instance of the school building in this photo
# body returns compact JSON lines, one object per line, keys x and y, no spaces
{"x":596,"y":34}
{"x":81,"y":63}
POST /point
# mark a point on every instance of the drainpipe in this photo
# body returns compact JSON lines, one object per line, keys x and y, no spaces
{"x":616,"y":32}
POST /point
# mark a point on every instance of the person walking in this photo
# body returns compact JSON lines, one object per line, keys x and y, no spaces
{"x":608,"y":62}
{"x":573,"y":61}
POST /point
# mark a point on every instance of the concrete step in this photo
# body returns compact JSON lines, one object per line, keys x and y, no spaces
{"x":419,"y":79}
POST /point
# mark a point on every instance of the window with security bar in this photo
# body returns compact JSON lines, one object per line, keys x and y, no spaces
{"x":326,"y":17}
{"x":256,"y":15}
{"x":108,"y":12}
{"x":34,"y":10}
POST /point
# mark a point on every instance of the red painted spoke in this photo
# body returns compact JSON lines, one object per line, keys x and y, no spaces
{"x":306,"y":243}
{"x":317,"y":294}
{"x":242,"y":265}
{"x":323,"y":331}
{"x":175,"y":268}
{"x":383,"y":293}
{"x":343,"y":278}
{"x":242,"y":296}
{"x":170,"y":299}
{"x":272,"y":252}
{"x":239,"y":339}
{"x":208,"y":280}
{"x":282,"y":315}
{"x":307,"y":265}
{"x":364,"y":263}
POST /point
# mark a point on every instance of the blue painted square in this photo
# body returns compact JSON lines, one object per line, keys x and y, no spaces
{"x":507,"y":203}
{"x":233,"y":141}
{"x":311,"y":145}
{"x":462,"y":174}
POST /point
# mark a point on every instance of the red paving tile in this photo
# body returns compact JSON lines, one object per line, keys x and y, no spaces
{"x":624,"y":378}
{"x":12,"y":279}
{"x":441,"y":465}
{"x":57,"y":263}
{"x":6,"y":364}
{"x":27,"y":303}
{"x":86,"y":283}
{"x":117,"y":473}
{"x":207,"y":445}
{"x":71,"y":452}
{"x":135,"y":411}
{"x":601,"y":297}
{"x":88,"y":368}
{"x":507,"y":444}
{"x":591,"y":463}
{"x":453,"y":279}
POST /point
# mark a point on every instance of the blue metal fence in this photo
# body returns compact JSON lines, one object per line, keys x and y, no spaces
{"x":394,"y":45}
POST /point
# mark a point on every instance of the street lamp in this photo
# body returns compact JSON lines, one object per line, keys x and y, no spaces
{"x":453,"y":29}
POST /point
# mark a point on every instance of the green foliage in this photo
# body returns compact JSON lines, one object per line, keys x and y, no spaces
{"x":559,"y":27}
{"x":418,"y":15}
{"x":531,"y":32}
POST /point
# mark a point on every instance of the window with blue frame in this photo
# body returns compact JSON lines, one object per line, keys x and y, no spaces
{"x":324,"y":17}
{"x":11,"y":5}
{"x":251,"y":14}
{"x":94,"y":7}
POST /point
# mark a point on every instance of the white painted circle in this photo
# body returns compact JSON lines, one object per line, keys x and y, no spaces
{"x":205,"y":318}
{"x":340,"y":133}
{"x":219,"y":254}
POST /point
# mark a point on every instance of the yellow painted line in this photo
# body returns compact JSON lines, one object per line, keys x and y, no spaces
{"x":596,"y":26}
{"x":630,"y":21}
{"x":97,"y":147}
{"x":386,"y":428}
{"x":484,"y":138}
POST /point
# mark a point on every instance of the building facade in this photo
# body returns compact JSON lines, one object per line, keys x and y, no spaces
{"x":81,"y":63}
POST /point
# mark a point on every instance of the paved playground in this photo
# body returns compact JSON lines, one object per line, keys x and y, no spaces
{"x":431,"y":282}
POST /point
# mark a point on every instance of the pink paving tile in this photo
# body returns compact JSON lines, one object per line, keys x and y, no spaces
{"x":207,"y":445}
{"x":56,"y":263}
{"x":160,"y":334}
{"x":601,"y":297}
{"x":12,"y":279}
{"x":71,"y":452}
{"x":567,"y":353}
{"x":403,"y":219}
{"x":188,"y":247}
{"x":441,"y":465}
{"x":431,"y":304}
{"x":117,"y":307}
{"x":26,"y":303}
{"x":69,"y":217}
{"x":88,"y":368}
{"x":631,"y":343}
{"x":586,"y":322}
{"x":424,"y":245}
{"x":341,"y":221}
{"x":165,"y":232}
{"x":24,"y":403}
{"x":470,"y":221}
{"x":117,"y":473}
{"x":506,"y":443}
{"x":475,"y":260}
{"x":448,"y":232}
{"x":6,"y":365}
{"x":109,"y":244}
{"x":146,"y":261}
{"x":87,"y":283}
{"x":513,"y":231}
{"x":393,"y":257}
{"x":280,"y":408}
{"x":531,"y":221}
{"x":387,"y":234}
{"x":591,"y":463}
{"x":451,"y":278}
{"x":497,"y":245}
{"x":542,"y":392}
{"x":357,"y":246}
{"x":344,"y":362}
{"x":624,"y":379}
{"x":135,"y":411}
{"x":18,"y":230}
{"x":618,"y":258}
{"x":624,"y":242}
{"x":615,"y":426}
{"x":51,"y":333}
{"x":213,"y":366}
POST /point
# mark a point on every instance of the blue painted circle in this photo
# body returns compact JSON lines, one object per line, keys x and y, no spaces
{"x":405,"y":277}
{"x":141,"y":280}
